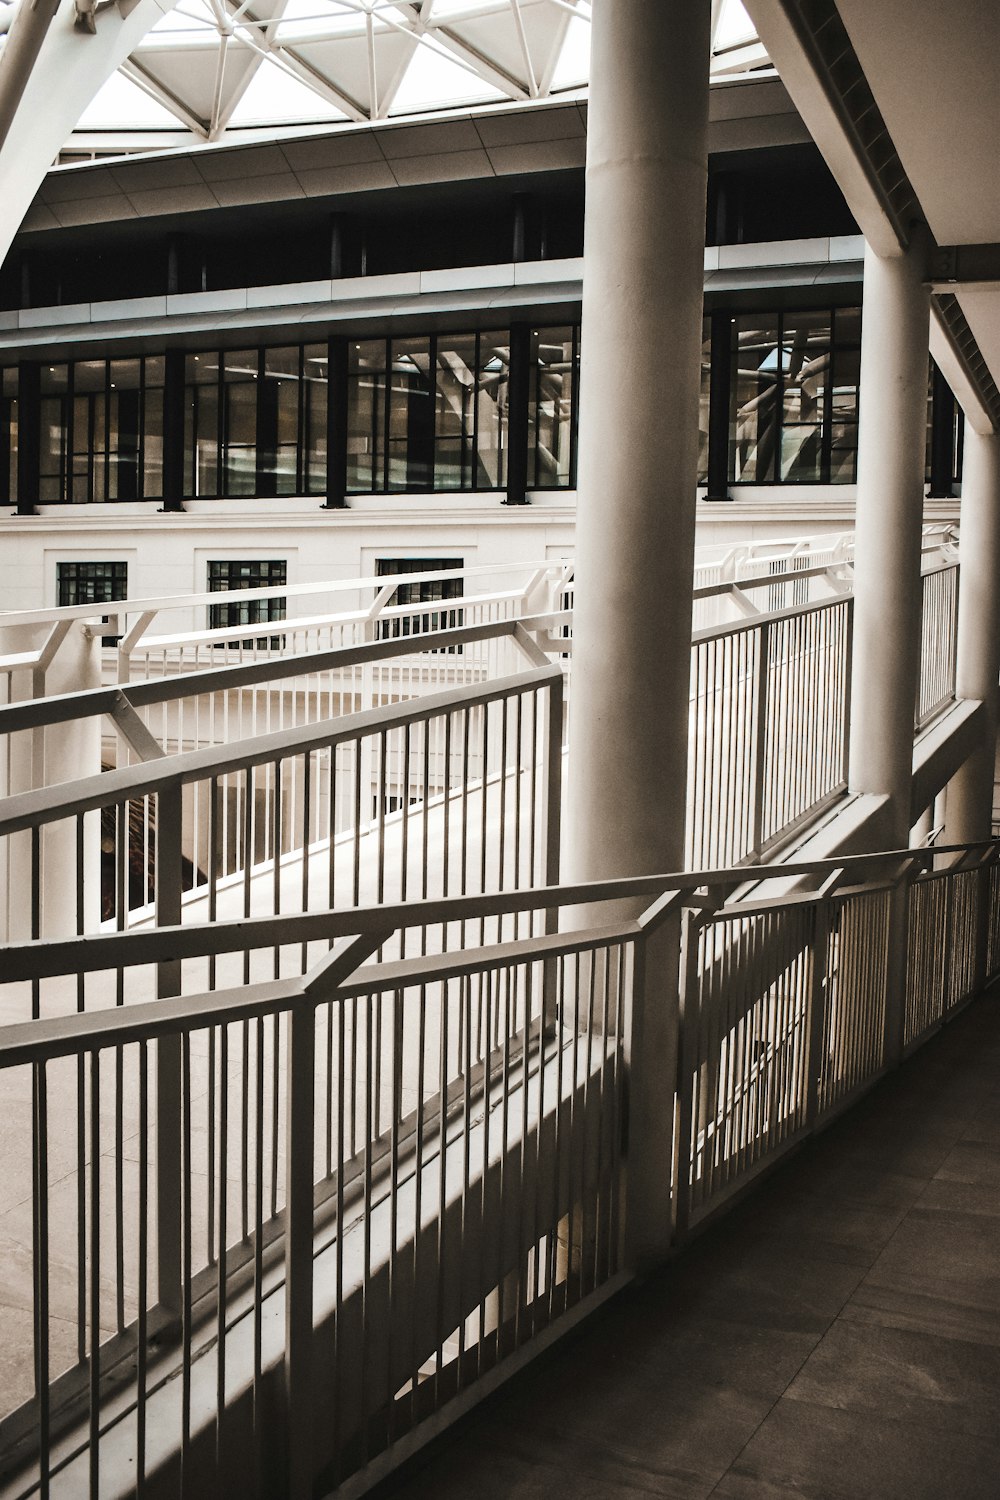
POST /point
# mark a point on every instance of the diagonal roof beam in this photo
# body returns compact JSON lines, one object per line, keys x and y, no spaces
{"x":69,"y":68}
{"x":182,"y":112}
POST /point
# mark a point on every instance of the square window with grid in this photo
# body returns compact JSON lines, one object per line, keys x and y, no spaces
{"x":225,"y":576}
{"x":92,"y":583}
{"x":423,"y":591}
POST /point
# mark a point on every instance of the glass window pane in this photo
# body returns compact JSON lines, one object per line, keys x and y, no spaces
{"x":704,"y":395}
{"x":52,"y":458}
{"x":551,"y":415}
{"x":230,"y":574}
{"x":411,"y":415}
{"x":201,"y":425}
{"x":92,"y":583}
{"x":123,"y":429}
{"x":493,"y":388}
{"x":455,"y":411}
{"x":152,"y":444}
{"x":240,"y":422}
{"x":366,"y":375}
{"x":8,"y":435}
{"x":315,"y":382}
{"x":753,"y":418}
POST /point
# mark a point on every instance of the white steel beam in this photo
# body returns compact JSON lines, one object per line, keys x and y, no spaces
{"x":67,"y":70}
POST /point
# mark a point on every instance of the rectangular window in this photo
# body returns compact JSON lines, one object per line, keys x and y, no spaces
{"x":255,"y":422}
{"x":224,"y":576}
{"x":102,"y":430}
{"x":794,"y":397}
{"x":92,"y":583}
{"x":428,"y":413}
{"x":410,"y":416}
{"x":8,"y":436}
{"x":553,"y":408}
{"x":424,"y":591}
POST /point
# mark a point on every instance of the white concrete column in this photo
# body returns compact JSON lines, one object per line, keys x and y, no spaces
{"x":891,"y":440}
{"x":642,"y":312}
{"x":977,"y":667}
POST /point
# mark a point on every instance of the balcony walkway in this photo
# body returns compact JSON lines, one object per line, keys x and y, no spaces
{"x":836,"y":1337}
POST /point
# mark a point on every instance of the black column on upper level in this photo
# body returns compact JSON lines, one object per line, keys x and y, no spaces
{"x":721,"y":325}
{"x":942,"y":438}
{"x":336,"y":425}
{"x":518,"y":396}
{"x":338,"y":247}
{"x":173,"y":430}
{"x":29,"y":435}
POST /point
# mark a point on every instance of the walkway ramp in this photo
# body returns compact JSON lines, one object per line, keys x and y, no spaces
{"x":836,"y":1336}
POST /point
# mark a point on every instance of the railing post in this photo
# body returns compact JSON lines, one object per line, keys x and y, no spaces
{"x":760,"y":736}
{"x":817,"y":1010}
{"x":299,"y":1171}
{"x":651,"y":1041}
{"x":897,"y":960}
{"x":169,"y":820}
{"x":552,"y":838}
{"x":687,"y":1029}
{"x":981,"y":972}
{"x":848,"y":670}
{"x":300,"y":1121}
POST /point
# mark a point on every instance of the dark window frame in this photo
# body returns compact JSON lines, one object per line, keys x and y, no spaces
{"x":266,"y":446}
{"x":428,"y":591}
{"x":837,"y":349}
{"x":260,"y":573}
{"x":72,"y":572}
{"x":78,"y":446}
{"x":381,"y":418}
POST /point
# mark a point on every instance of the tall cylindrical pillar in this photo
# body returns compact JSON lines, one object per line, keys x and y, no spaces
{"x":893,"y":412}
{"x":642,"y":310}
{"x":977,"y":666}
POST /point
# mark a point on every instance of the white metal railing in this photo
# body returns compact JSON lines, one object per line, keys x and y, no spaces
{"x":763,"y":758}
{"x":402,"y":1172}
{"x":450,"y":792}
{"x":938,"y":641}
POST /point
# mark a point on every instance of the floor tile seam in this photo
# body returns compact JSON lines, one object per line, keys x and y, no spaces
{"x":789,"y":1382}
{"x":835,"y":1319}
{"x":909,"y":1211}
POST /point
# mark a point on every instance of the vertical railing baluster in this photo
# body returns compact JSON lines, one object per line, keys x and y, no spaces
{"x":169,"y":818}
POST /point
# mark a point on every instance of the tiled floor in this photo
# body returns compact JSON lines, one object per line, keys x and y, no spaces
{"x":836,"y":1338}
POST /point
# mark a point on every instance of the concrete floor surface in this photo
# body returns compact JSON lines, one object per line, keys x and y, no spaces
{"x":836,"y":1337}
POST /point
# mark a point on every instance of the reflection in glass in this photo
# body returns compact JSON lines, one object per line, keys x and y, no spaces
{"x":552,"y":410}
{"x":315,"y":386}
{"x":704,"y":399}
{"x":8,"y":435}
{"x":793,"y":397}
{"x":365,"y":407}
{"x":409,"y":443}
{"x":54,"y":422}
{"x":470,"y":430}
{"x":239,"y":422}
{"x":806,"y":373}
{"x":754,"y":398}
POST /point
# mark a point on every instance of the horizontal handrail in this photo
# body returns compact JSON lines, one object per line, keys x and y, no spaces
{"x":62,"y":708}
{"x":272,"y":591}
{"x":92,"y":952}
{"x":49,"y":804}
